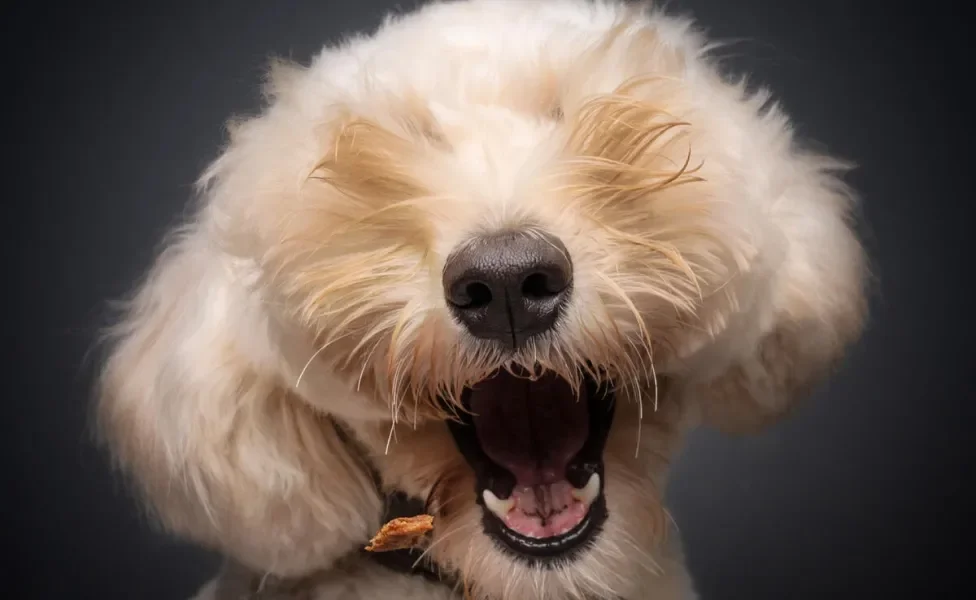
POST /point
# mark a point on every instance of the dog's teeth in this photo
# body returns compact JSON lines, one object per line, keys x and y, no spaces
{"x":589,"y":492}
{"x":500,"y":508}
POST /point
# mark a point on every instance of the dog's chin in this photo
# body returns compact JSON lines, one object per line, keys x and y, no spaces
{"x":536,"y":448}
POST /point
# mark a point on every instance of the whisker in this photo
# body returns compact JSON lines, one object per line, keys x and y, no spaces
{"x":640,"y":420}
{"x":648,"y":561}
{"x":456,"y":530}
{"x":312,"y":358}
{"x":366,"y":363}
{"x":654,"y":379}
{"x":389,"y":438}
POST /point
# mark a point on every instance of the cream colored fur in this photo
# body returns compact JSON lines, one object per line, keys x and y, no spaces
{"x":710,"y":252}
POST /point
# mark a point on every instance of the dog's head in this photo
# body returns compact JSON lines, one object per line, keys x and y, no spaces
{"x":516,"y":271}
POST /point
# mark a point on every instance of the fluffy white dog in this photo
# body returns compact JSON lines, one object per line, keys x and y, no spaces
{"x":499,"y":256}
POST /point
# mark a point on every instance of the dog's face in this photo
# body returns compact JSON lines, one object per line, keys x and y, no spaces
{"x":523,"y":275}
{"x":517,"y":290}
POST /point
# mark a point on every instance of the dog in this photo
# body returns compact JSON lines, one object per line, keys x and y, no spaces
{"x":498,"y":257}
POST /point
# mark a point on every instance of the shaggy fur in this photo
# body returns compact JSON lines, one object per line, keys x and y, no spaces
{"x":716,"y":280}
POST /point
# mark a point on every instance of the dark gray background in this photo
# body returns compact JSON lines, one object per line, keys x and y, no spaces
{"x":114,"y":110}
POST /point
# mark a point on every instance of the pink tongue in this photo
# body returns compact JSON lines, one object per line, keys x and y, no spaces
{"x":545,"y":511}
{"x":531,"y":428}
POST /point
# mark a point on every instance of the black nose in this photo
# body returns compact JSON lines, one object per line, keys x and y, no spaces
{"x":509,"y":286}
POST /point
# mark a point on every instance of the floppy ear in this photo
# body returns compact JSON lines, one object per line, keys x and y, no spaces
{"x":813,"y":309}
{"x":192,"y":409}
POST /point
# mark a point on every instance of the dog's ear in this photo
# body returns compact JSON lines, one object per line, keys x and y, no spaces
{"x":812,"y":307}
{"x":192,"y":409}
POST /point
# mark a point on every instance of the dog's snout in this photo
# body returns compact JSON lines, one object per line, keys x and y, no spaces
{"x":510,"y":286}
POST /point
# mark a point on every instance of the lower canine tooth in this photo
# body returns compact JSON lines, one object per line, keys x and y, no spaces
{"x":589,"y":492}
{"x":500,"y":508}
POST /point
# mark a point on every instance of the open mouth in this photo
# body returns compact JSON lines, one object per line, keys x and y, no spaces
{"x":536,"y":448}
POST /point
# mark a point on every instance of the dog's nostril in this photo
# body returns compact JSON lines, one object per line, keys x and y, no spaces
{"x":542,"y":285}
{"x":477,"y":295}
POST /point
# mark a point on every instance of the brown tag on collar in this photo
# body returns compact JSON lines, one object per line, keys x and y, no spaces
{"x":401,"y":533}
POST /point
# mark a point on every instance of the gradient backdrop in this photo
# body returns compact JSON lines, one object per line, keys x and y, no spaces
{"x":114,"y":110}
